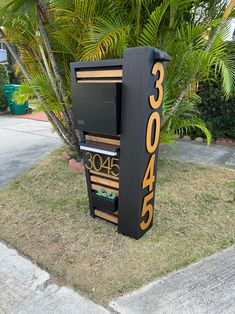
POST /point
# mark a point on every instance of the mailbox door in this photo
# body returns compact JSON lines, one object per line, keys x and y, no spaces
{"x":97,"y":107}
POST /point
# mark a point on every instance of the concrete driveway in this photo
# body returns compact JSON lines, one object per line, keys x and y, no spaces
{"x":22,"y":143}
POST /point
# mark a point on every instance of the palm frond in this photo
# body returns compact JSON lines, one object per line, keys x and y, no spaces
{"x":23,"y":94}
{"x":182,"y":126}
{"x":106,"y":37}
{"x":39,"y":82}
{"x":149,"y":33}
{"x":167,"y":139}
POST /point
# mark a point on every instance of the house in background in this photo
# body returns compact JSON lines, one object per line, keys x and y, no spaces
{"x":3,"y":54}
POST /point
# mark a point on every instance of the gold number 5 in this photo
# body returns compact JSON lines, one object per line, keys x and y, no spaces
{"x":158,"y":67}
{"x":147,"y":209}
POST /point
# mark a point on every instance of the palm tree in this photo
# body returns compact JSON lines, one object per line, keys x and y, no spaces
{"x":26,"y":38}
{"x":45,"y":36}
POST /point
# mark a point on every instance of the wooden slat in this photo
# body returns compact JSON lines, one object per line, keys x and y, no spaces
{"x":99,"y":73}
{"x":104,"y":181}
{"x":97,"y":187}
{"x":99,"y":81}
{"x":104,"y":175}
{"x":104,"y":140}
{"x":106,"y":216}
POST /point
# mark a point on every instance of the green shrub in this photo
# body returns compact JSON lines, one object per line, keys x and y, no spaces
{"x":4,"y":79}
{"x":217,"y":111}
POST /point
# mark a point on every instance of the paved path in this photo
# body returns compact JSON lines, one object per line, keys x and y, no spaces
{"x":22,"y":144}
{"x":200,"y":154}
{"x":26,"y":289}
{"x":207,"y":287}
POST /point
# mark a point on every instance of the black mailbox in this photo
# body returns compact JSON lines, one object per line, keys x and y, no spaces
{"x":117,"y":106}
{"x":97,"y":107}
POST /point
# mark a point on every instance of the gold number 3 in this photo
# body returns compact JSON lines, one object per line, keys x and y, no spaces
{"x":89,"y":159}
{"x":158,"y":67}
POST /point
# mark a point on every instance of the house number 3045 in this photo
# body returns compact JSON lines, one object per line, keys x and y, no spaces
{"x":151,"y":142}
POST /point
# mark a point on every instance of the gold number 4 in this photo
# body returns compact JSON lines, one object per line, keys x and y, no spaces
{"x":149,"y":177}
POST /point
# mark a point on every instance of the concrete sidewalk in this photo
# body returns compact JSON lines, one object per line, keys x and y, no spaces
{"x":26,"y":289}
{"x":207,"y":287}
{"x":200,"y":153}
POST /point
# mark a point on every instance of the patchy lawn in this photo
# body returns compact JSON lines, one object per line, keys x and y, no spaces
{"x":45,"y":214}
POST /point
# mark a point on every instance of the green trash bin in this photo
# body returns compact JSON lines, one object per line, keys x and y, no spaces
{"x":16,"y":109}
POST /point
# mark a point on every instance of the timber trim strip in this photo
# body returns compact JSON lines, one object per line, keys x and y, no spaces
{"x":106,"y":216}
{"x":103,"y":181}
{"x":104,"y":140}
{"x":99,"y":74}
{"x":99,"y":81}
{"x":104,"y":175}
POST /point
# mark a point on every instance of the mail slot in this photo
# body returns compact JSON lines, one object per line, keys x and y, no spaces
{"x":97,"y":107}
{"x":117,"y":106}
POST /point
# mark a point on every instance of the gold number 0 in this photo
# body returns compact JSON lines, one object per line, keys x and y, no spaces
{"x":158,"y":67}
{"x":151,"y":147}
{"x":147,"y":209}
{"x":100,"y":162}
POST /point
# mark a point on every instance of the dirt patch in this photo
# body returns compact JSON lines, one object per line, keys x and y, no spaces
{"x":45,"y":215}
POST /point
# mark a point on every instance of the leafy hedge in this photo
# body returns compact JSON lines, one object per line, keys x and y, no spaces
{"x":217,"y":111}
{"x":4,"y":79}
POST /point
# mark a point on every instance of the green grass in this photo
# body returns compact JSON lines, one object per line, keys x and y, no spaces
{"x":45,"y":215}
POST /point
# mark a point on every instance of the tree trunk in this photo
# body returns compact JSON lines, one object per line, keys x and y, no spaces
{"x":67,"y":114}
{"x":50,"y":75}
{"x":14,"y":53}
{"x":37,"y":56}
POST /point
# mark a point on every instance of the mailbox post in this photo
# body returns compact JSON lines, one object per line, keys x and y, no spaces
{"x":117,"y":107}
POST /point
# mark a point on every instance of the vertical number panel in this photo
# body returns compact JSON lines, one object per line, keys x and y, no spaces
{"x":152,"y":140}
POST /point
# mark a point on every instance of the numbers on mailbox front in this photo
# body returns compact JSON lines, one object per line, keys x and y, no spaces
{"x":101,"y":163}
{"x":151,"y":142}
